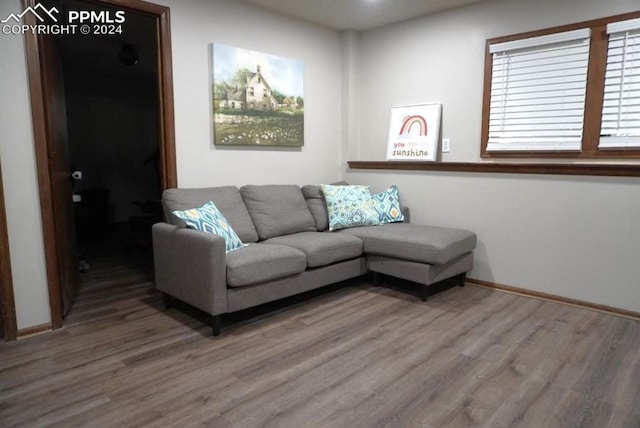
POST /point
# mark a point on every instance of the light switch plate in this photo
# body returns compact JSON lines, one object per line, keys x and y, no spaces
{"x":445,"y":145}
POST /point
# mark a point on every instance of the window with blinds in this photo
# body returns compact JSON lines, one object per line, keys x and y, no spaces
{"x":538,"y":88}
{"x":621,"y":105}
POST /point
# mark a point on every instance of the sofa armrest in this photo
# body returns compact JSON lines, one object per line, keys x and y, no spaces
{"x":191,"y":266}
{"x":406,"y":213}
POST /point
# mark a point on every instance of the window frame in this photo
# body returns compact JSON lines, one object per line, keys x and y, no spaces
{"x":593,"y":101}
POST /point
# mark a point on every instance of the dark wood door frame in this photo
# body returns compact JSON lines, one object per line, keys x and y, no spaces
{"x":7,"y":304}
{"x":38,"y":103}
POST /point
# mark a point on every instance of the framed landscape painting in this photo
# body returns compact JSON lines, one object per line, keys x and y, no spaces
{"x":414,"y":132}
{"x":257,"y":98}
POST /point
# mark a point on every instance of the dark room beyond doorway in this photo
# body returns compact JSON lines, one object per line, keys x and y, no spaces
{"x":112,"y":101}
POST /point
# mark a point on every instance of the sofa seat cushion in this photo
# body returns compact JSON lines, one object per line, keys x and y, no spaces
{"x":263,"y":262}
{"x":320,"y":248}
{"x":426,"y":244}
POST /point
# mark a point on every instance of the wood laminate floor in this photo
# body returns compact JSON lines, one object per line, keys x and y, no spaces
{"x":356,"y":356}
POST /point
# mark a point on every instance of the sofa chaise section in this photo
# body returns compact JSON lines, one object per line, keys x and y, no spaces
{"x":424,"y":255}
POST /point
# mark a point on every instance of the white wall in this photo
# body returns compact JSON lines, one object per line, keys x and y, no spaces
{"x":440,"y":58}
{"x":571,"y":236}
{"x":20,"y":182}
{"x":350,"y":94}
{"x":194,"y":26}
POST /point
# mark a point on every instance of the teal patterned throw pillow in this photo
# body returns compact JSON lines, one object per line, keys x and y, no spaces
{"x":209,"y":219}
{"x":388,"y":205}
{"x":349,"y":206}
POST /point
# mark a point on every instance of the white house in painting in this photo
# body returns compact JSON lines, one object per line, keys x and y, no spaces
{"x":255,"y":95}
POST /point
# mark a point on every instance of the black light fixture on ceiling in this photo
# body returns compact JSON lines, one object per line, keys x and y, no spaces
{"x":128,"y":54}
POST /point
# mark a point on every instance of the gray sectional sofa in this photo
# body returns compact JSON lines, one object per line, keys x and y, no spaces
{"x":290,"y":249}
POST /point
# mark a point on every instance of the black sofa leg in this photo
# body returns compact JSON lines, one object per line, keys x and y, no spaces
{"x":462,"y":279}
{"x":424,"y":292}
{"x":215,"y":324}
{"x":167,"y":301}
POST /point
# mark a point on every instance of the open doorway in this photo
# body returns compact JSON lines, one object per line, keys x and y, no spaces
{"x":113,"y":122}
{"x":113,"y":128}
{"x":102,"y":104}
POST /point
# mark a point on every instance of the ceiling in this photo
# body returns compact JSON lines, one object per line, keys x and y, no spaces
{"x":359,"y":15}
{"x":100,"y":53}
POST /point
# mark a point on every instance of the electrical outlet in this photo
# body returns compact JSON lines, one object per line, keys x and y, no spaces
{"x":445,"y":145}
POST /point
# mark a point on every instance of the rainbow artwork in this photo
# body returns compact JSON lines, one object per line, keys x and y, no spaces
{"x":414,"y":132}
{"x":411,"y":123}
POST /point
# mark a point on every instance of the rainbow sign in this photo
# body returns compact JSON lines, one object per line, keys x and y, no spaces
{"x":414,"y":131}
{"x":409,"y":122}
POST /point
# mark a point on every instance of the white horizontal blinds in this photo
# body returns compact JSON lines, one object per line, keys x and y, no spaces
{"x":621,"y":106}
{"x":538,"y":88}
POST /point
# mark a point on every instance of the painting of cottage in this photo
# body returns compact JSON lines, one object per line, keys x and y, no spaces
{"x":257,"y":98}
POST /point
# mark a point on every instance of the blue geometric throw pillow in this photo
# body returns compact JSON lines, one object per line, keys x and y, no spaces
{"x":349,"y":206}
{"x":209,"y":219}
{"x":388,"y":205}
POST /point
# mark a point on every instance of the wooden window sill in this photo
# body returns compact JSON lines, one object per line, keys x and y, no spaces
{"x":607,"y":170}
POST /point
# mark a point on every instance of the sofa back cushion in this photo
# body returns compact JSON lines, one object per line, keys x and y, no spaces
{"x":226,"y":198}
{"x":277,"y":210}
{"x":317,"y":205}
